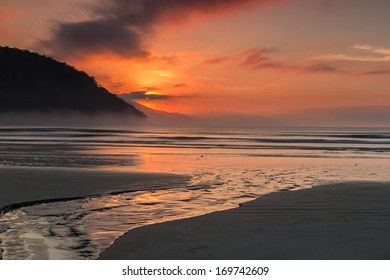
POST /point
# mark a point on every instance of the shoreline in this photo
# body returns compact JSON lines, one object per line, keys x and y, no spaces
{"x":348,"y":220}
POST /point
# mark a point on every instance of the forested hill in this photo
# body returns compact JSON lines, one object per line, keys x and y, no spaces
{"x":33,"y":82}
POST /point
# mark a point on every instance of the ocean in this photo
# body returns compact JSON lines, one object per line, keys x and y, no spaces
{"x":226,"y":167}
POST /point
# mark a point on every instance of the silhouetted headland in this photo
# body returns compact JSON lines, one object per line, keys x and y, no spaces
{"x":30,"y":82}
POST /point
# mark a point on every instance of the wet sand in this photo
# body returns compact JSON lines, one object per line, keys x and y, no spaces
{"x":348,"y":220}
{"x":19,"y":186}
{"x":27,"y":186}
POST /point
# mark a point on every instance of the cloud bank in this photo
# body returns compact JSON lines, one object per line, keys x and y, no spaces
{"x":122,"y":26}
{"x":143,"y":95}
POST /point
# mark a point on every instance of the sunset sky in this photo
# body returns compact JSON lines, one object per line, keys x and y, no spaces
{"x":255,"y":57}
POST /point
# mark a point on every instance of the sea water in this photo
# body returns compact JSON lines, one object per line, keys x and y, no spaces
{"x":227,"y":166}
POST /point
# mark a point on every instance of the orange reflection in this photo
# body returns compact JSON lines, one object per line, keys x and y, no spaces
{"x":153,"y":198}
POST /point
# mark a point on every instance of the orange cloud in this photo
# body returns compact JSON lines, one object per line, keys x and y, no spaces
{"x":345,"y":57}
{"x":376,"y":72}
{"x":219,"y":60}
{"x":377,"y":54}
{"x":370,"y":48}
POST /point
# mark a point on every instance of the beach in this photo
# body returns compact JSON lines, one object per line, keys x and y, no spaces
{"x":70,"y":194}
{"x":24,"y":187}
{"x":348,"y":220}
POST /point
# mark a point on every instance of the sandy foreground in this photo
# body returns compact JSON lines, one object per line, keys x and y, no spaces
{"x":338,"y":221}
{"x":27,"y":186}
{"x":24,"y":185}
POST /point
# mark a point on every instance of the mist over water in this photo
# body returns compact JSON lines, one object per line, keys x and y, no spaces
{"x":67,"y":119}
{"x":228,"y":166}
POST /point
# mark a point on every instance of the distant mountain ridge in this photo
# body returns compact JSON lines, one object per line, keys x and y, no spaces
{"x":157,"y":116}
{"x":33,"y":82}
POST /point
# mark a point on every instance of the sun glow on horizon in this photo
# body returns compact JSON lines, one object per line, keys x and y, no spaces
{"x":276,"y":59}
{"x":151,"y":93}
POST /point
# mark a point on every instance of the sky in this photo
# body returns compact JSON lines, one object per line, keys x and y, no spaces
{"x":325,"y":60}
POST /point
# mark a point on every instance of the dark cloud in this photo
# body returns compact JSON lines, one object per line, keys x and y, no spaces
{"x":376,"y":72}
{"x":163,"y":86}
{"x":142,"y":95}
{"x":149,"y":89}
{"x":121,"y":26}
{"x":319,"y":68}
{"x":255,"y":59}
{"x":179,"y":85}
{"x":95,"y":36}
{"x":258,"y":59}
{"x":218,"y":60}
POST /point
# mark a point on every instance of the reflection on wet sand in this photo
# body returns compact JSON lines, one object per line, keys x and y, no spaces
{"x":83,"y":228}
